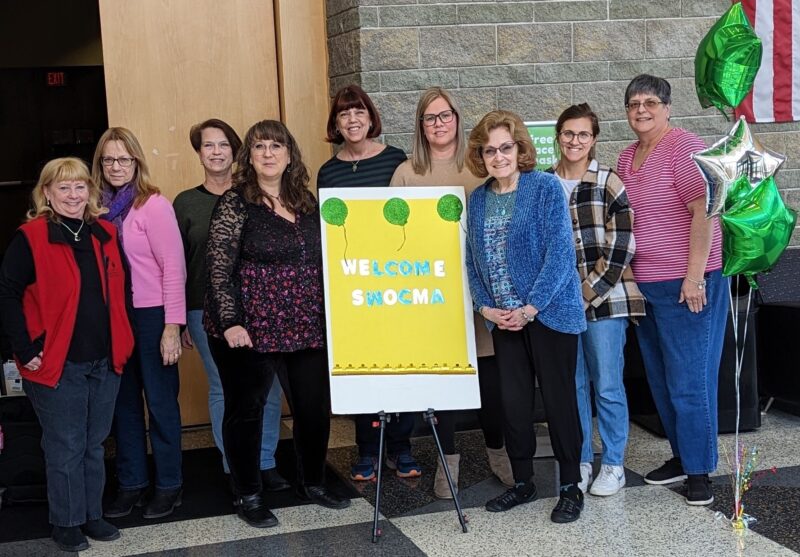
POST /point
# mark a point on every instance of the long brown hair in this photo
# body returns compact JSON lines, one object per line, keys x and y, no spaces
{"x":66,"y":169}
{"x":294,"y":194}
{"x":421,"y":151}
{"x":141,"y":176}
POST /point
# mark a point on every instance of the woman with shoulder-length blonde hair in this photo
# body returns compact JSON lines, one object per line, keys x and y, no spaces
{"x":63,"y":306}
{"x":521,"y":269}
{"x":152,"y":243}
{"x":438,"y":159}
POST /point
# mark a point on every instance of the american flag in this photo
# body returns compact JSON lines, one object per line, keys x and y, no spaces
{"x":776,"y":92}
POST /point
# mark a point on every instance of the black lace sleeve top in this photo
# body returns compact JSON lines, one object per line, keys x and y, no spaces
{"x":265,"y":274}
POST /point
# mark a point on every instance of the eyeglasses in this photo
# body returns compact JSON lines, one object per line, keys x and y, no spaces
{"x":505,"y":149}
{"x":274,"y":148}
{"x":445,"y":116}
{"x":124,"y":162}
{"x":649,"y":104}
{"x":582,"y":137}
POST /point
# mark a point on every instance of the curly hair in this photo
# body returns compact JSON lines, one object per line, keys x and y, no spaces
{"x":66,"y":169}
{"x":526,"y":154}
{"x":141,"y":176}
{"x":294,"y":193}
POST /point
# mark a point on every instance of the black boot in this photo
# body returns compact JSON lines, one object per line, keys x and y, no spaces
{"x":124,"y":503}
{"x":272,"y":481}
{"x":69,"y":538}
{"x":162,"y":504}
{"x":253,"y":510}
{"x":100,"y":530}
{"x":321,"y":495}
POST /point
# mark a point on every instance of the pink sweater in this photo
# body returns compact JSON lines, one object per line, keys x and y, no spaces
{"x":154,"y":249}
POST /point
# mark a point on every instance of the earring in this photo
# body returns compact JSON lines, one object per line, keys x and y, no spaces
{"x":48,"y":202}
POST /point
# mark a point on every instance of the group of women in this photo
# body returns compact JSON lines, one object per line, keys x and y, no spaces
{"x":106,"y":272}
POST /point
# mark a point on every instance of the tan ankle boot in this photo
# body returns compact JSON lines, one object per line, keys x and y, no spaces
{"x":440,"y":487}
{"x":501,"y":465}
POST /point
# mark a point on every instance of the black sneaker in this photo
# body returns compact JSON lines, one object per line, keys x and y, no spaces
{"x":699,"y":491}
{"x":100,"y":530}
{"x":517,"y":495}
{"x":162,"y":504}
{"x":253,"y":510}
{"x":669,"y":473}
{"x":569,"y":506}
{"x":70,"y":538}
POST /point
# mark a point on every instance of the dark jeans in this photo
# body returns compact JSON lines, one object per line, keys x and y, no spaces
{"x":76,"y":417}
{"x":490,"y":414}
{"x":146,"y":372}
{"x":246,"y":377}
{"x":552,"y":357}
{"x":397,"y":437}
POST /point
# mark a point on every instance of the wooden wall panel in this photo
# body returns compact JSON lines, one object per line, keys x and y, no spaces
{"x":171,"y":64}
{"x":303,"y":65}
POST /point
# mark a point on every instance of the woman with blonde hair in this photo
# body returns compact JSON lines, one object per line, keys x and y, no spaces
{"x":63,"y":305}
{"x":153,"y":247}
{"x":438,"y":159}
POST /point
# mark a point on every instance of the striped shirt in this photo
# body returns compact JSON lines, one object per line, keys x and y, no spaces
{"x":374,"y":172}
{"x":659,"y":192}
{"x":602,"y":227}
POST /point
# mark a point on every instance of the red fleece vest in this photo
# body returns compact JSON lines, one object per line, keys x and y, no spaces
{"x":50,"y":304}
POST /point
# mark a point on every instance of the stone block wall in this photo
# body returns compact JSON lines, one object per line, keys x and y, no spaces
{"x":535,"y":58}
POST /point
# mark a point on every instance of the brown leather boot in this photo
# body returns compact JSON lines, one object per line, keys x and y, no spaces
{"x":440,"y":487}
{"x":501,"y":465}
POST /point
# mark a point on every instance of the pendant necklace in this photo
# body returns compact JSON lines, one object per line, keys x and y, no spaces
{"x":507,"y":199}
{"x":276,"y":198}
{"x":73,"y":232}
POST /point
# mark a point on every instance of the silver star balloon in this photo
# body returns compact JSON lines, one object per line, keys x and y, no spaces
{"x":739,"y":153}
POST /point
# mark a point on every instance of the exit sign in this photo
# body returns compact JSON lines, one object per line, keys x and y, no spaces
{"x":56,"y":79}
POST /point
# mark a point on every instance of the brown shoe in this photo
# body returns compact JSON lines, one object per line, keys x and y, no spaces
{"x":440,"y":486}
{"x":501,"y":465}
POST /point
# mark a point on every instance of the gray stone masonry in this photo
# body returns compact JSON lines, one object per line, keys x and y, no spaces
{"x":534,"y":57}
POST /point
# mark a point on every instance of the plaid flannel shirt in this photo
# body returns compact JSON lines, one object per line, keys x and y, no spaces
{"x":602,"y":227}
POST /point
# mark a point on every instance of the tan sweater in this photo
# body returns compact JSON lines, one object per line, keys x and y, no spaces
{"x":445,"y":173}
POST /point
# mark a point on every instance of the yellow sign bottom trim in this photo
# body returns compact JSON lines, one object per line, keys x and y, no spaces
{"x":410,"y":369}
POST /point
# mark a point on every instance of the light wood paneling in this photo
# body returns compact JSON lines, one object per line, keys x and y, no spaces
{"x":169,"y":65}
{"x":303,"y":65}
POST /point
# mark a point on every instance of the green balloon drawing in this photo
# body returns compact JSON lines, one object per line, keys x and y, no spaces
{"x":396,"y":211}
{"x":450,"y":208}
{"x":334,"y":212}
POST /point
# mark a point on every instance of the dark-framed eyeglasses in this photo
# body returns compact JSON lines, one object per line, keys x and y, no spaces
{"x":649,"y":104}
{"x":445,"y":116}
{"x":504,"y":149}
{"x":124,"y":162}
{"x":582,"y":137}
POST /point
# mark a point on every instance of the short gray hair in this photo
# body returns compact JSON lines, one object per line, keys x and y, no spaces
{"x":651,"y":84}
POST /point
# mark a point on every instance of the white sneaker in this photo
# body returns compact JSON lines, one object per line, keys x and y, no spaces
{"x":610,"y":480}
{"x":586,"y":476}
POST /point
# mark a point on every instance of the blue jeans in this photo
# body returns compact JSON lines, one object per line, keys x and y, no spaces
{"x":681,"y":352}
{"x":146,"y":372}
{"x":270,"y":433}
{"x":76,"y":418}
{"x":601,"y":360}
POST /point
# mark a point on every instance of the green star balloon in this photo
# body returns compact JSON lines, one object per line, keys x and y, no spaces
{"x":756,"y":231}
{"x":727,"y":61}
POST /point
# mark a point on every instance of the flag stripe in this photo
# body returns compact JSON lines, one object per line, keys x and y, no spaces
{"x":746,"y":107}
{"x":796,"y":56}
{"x":782,"y":60}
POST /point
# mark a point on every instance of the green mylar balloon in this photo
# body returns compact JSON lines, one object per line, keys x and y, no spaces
{"x":450,"y":207}
{"x":396,"y":211}
{"x":727,"y":61}
{"x":737,"y":191}
{"x":756,"y":231}
{"x":334,"y":211}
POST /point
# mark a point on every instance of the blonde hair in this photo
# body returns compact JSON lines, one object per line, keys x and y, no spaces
{"x":66,"y":169}
{"x":142,"y":182}
{"x":421,"y":151}
{"x":526,"y":155}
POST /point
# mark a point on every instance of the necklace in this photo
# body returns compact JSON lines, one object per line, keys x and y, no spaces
{"x":73,"y":232}
{"x":276,"y":198}
{"x":503,"y":200}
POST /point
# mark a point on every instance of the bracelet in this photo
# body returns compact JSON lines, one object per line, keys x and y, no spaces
{"x":701,"y":284}
{"x":528,"y":318}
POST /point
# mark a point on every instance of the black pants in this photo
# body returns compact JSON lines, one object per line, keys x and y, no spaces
{"x":538,"y":351}
{"x":490,"y":414}
{"x":397,"y":436}
{"x":246,"y":377}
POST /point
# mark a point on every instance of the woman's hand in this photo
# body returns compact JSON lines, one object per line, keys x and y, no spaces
{"x":171,"y":344}
{"x":238,"y":337}
{"x":694,"y":295}
{"x":35,"y":363}
{"x":503,"y":318}
{"x":186,"y":339}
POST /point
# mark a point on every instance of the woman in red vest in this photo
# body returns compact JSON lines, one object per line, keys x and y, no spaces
{"x":63,"y":305}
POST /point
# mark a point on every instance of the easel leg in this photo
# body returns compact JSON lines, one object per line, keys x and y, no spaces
{"x":431,"y":419}
{"x":382,"y":419}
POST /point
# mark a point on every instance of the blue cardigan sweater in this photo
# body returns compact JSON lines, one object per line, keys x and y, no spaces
{"x":540,"y":253}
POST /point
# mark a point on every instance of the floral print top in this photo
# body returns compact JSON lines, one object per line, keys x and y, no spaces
{"x":265,"y":274}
